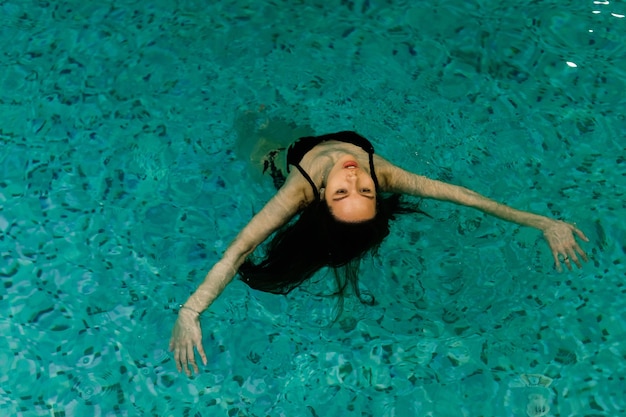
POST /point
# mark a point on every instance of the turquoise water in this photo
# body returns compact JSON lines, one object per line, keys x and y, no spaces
{"x":121,"y":183}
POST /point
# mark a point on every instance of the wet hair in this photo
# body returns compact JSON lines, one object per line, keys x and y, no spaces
{"x":315,"y":240}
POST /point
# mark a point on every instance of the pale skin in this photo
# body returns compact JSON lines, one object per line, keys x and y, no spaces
{"x":341,"y":172}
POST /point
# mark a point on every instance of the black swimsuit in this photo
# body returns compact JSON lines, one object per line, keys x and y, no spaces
{"x":299,"y":148}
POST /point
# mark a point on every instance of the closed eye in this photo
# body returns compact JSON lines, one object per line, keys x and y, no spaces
{"x":342,"y":193}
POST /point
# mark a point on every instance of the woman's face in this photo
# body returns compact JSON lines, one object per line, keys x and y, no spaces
{"x":350,"y":192}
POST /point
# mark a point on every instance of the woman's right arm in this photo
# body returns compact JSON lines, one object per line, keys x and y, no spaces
{"x":282,"y":207}
{"x":187,"y":333}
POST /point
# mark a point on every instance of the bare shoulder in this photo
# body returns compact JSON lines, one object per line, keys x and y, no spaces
{"x":295,"y":194}
{"x":397,"y":180}
{"x":286,"y":203}
{"x":388,"y":174}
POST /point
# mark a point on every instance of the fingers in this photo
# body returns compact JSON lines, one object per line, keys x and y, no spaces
{"x":177,"y":359}
{"x":568,"y":257}
{"x":191,"y":358}
{"x":575,"y":248}
{"x":557,"y":261}
{"x":200,"y":350}
{"x":581,"y":235}
{"x":183,"y":343}
{"x":567,"y":263}
{"x":184,"y":354}
{"x":560,"y":256}
{"x":581,"y":253}
{"x":574,"y":259}
{"x":181,"y":356}
{"x":565,"y":249}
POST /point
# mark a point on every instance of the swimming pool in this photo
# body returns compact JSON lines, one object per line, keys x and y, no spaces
{"x":121,"y":185}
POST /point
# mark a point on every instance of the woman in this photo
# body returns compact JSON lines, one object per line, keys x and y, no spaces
{"x":336,"y":188}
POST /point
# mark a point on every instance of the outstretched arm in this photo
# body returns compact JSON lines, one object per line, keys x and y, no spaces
{"x":282,"y":207}
{"x":187,"y":333}
{"x":560,"y":235}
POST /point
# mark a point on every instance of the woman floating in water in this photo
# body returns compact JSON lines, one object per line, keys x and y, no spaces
{"x":336,"y":189}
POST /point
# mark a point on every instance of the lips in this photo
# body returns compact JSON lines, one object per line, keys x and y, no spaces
{"x":350,"y":164}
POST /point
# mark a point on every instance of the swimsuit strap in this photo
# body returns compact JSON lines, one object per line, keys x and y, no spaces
{"x":372,"y":171}
{"x":308,"y":178}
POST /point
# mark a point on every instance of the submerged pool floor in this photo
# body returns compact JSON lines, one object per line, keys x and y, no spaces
{"x":124,"y":130}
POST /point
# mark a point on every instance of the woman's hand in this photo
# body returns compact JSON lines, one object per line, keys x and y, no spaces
{"x":562,"y":241}
{"x":185,"y":336}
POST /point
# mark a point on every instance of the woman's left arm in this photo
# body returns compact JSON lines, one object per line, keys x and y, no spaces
{"x":559,"y":235}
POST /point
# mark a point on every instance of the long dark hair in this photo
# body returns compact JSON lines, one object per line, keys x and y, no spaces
{"x":315,"y":240}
